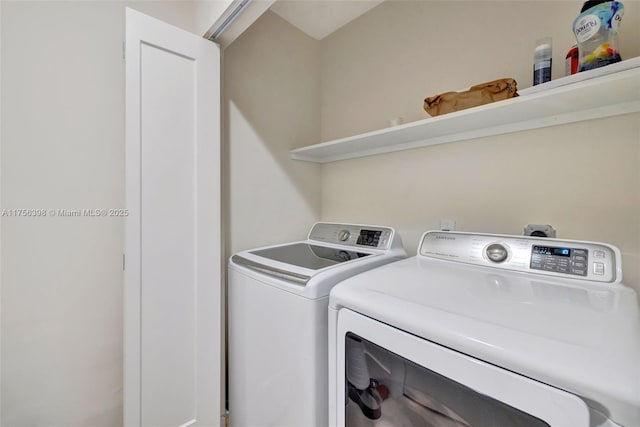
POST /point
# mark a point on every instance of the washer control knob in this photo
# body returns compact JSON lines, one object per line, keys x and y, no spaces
{"x":496,"y":252}
{"x":344,"y":235}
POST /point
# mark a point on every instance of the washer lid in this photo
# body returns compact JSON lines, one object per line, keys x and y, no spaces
{"x":577,"y":335}
{"x":309,"y":256}
{"x":303,"y":264}
{"x":332,"y":252}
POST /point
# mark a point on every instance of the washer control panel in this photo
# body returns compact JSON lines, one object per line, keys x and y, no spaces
{"x":353,"y":235}
{"x":565,"y":258}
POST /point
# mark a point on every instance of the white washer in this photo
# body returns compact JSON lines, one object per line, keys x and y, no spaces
{"x":487,"y":330}
{"x":278,"y":298}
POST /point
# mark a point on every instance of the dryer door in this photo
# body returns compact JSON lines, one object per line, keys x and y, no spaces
{"x":388,"y":377}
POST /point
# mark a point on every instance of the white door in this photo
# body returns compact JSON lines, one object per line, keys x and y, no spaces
{"x":173,"y":312}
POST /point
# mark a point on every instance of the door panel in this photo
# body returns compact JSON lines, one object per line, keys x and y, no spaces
{"x":454,"y":389}
{"x":167,"y":218}
{"x":173,"y":311}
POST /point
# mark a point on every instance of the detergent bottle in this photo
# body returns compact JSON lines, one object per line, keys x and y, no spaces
{"x":596,"y":30}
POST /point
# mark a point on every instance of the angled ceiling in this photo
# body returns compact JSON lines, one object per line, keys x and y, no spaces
{"x":319,"y":18}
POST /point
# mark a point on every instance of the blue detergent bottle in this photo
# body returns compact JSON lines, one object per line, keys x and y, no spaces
{"x":596,"y":31}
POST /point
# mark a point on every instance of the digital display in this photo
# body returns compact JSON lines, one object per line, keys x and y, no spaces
{"x":369,"y":237}
{"x":549,"y":250}
{"x":560,"y":260}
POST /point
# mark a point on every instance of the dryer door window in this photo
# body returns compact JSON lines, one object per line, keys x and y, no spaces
{"x":388,"y":377}
{"x":383,"y":388}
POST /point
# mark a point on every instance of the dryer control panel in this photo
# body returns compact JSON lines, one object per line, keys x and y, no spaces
{"x":362,"y":236}
{"x":565,"y":258}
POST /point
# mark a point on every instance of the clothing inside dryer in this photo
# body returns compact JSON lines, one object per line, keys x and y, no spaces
{"x":384,"y":389}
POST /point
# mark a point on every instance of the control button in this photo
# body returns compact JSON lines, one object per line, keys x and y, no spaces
{"x":579,"y":271}
{"x":598,"y":268}
{"x":344,"y":235}
{"x":579,"y":264}
{"x":580,"y":252}
{"x":598,"y":254}
{"x":580,"y":258}
{"x":496,"y":252}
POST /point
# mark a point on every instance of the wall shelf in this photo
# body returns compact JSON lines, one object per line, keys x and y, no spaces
{"x":604,"y":92}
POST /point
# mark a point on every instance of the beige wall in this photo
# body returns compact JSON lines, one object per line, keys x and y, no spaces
{"x":63,"y":148}
{"x":385,"y":63}
{"x":587,"y":188}
{"x":272,"y":100}
{"x":581,"y":178}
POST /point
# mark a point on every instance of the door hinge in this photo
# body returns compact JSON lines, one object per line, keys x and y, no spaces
{"x":123,"y":262}
{"x":124,"y":50}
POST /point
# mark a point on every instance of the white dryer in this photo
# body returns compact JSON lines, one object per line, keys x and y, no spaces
{"x":278,"y":299}
{"x":487,"y":330}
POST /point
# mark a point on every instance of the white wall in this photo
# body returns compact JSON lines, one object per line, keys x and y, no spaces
{"x":272,"y":100}
{"x":63,"y":148}
{"x":582,"y":178}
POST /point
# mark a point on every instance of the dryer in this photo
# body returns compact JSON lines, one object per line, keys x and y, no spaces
{"x":278,"y":298}
{"x":487,"y":330}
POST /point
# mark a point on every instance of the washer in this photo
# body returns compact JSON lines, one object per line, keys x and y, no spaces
{"x":487,"y":330}
{"x":278,"y":299}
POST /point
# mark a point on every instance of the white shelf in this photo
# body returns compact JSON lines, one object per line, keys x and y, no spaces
{"x":603,"y":92}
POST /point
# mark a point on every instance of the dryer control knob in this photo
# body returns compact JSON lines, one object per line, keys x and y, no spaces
{"x":344,"y":235}
{"x":496,"y":252}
